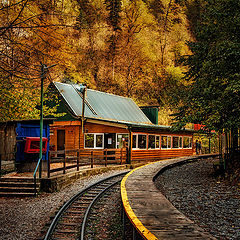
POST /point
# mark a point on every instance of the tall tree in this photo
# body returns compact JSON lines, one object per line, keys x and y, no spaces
{"x":30,"y":34}
{"x":213,"y":92}
{"x":114,"y":20}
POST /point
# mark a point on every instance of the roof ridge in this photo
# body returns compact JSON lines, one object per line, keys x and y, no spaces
{"x":89,"y":89}
{"x":106,"y":93}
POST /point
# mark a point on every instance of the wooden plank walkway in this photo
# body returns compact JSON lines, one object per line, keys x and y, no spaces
{"x":151,"y":213}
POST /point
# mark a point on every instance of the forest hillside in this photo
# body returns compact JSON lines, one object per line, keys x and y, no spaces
{"x":126,"y":47}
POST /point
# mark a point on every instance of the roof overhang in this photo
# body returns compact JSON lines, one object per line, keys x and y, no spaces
{"x":137,"y":127}
{"x":106,"y":122}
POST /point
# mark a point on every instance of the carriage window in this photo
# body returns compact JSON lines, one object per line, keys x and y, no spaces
{"x":180,"y":142}
{"x":142,"y":141}
{"x":151,"y":141}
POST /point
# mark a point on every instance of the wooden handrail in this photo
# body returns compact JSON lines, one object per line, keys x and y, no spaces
{"x":102,"y":156}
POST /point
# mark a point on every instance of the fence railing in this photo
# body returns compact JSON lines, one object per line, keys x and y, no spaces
{"x":61,"y":161}
{"x":7,"y":162}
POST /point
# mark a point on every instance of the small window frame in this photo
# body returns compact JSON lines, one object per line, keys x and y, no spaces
{"x":189,"y":142}
{"x":137,"y":143}
{"x":150,"y":136}
{"x":126,"y":134}
{"x":94,"y":140}
{"x":179,"y":142}
{"x":169,"y":142}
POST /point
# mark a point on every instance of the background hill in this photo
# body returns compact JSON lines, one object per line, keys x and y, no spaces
{"x":129,"y":48}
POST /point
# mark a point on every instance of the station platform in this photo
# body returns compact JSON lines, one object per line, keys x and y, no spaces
{"x":151,"y":214}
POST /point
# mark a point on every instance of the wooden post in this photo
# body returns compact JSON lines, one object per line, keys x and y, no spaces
{"x":105,"y":157}
{"x":64,"y":163}
{"x":91,"y":159}
{"x":0,"y":165}
{"x":78,"y":159}
{"x":83,"y":106}
{"x":121,"y":156}
{"x":48,"y":164}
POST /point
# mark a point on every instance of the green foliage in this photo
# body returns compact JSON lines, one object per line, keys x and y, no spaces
{"x":213,"y":95}
{"x":17,"y":103}
{"x":52,"y":107}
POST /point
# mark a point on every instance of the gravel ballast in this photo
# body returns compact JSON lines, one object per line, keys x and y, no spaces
{"x":191,"y":188}
{"x":24,"y":218}
{"x":194,"y":190}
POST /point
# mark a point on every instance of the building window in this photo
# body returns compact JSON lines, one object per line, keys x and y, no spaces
{"x":89,"y":140}
{"x":122,"y":140}
{"x":151,"y":141}
{"x":139,"y":141}
{"x":99,"y":140}
{"x":134,"y":141}
{"x":93,"y":140}
{"x":157,"y":142}
{"x":187,"y":142}
{"x":142,"y":141}
{"x":166,"y":142}
{"x":177,"y":142}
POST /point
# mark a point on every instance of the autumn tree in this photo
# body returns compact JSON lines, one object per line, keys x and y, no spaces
{"x":123,"y":47}
{"x":30,"y":34}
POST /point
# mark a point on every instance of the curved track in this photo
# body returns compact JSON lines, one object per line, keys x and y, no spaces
{"x":71,"y":220}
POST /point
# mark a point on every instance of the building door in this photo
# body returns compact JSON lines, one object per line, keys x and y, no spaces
{"x":110,"y":143}
{"x":110,"y":140}
{"x":60,"y":140}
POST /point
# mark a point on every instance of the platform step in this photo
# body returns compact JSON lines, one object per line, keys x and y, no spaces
{"x":17,"y":179}
{"x":18,"y":187}
{"x":16,"y":194}
{"x":18,"y":184}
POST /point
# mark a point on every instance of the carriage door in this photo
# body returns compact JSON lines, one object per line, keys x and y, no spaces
{"x":60,"y":140}
{"x":110,"y":143}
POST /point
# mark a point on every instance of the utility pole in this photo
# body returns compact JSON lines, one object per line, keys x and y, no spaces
{"x":83,"y":91}
{"x":44,"y":70}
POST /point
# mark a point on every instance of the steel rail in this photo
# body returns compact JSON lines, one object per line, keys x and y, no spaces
{"x":84,"y":224}
{"x":71,"y":201}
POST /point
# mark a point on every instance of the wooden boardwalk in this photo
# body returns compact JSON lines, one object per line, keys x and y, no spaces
{"x":150,"y":212}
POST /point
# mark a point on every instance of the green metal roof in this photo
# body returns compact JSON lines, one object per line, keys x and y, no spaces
{"x":102,"y":106}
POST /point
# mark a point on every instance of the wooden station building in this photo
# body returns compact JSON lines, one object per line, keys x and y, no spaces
{"x":107,"y":121}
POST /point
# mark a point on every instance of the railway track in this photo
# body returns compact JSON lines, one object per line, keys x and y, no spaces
{"x":76,"y":215}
